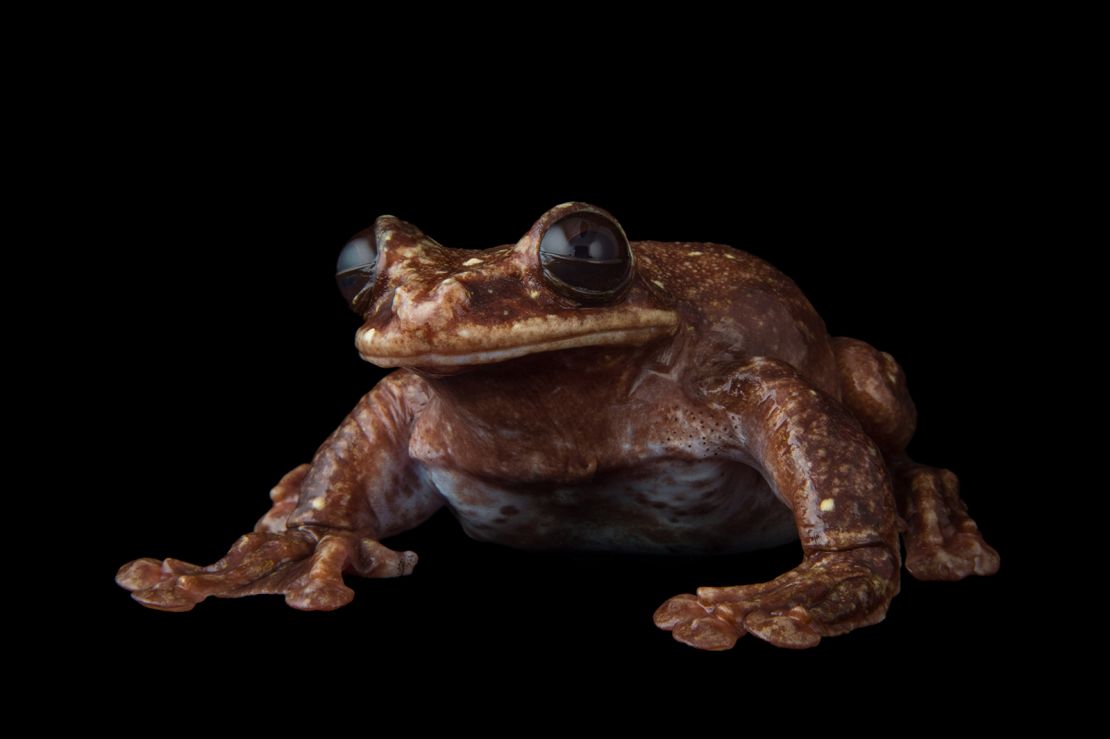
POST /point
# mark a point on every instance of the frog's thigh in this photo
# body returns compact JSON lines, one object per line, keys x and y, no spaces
{"x":819,"y":461}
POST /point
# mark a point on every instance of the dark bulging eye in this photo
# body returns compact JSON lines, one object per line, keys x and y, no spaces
{"x":357,"y":268}
{"x":586,"y":257}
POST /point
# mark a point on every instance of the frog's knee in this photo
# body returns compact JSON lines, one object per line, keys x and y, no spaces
{"x":873,"y":389}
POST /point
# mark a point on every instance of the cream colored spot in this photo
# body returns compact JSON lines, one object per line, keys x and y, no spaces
{"x":729,"y":256}
{"x":694,"y":254}
{"x":318,"y":503}
{"x":533,"y":294}
{"x":464,"y":332}
{"x":472,"y":262}
{"x":660,"y":284}
{"x":828,"y":504}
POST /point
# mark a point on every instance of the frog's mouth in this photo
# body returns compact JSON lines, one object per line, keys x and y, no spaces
{"x":470,"y":345}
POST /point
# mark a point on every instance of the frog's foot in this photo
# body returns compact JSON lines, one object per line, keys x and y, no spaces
{"x":942,"y":541}
{"x":830,"y":593}
{"x":304,"y":564}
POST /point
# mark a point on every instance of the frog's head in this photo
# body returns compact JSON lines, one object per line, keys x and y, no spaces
{"x":570,"y":282}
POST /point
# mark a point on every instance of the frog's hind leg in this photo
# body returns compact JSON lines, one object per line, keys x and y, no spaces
{"x":942,"y":541}
{"x":285,"y":495}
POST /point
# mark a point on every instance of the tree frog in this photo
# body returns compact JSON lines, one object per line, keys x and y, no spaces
{"x":578,"y":391}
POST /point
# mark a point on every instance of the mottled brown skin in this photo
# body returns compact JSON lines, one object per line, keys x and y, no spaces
{"x":703,"y":410}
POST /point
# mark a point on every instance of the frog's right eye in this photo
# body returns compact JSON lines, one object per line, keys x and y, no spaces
{"x":585,"y":256}
{"x":357,"y":268}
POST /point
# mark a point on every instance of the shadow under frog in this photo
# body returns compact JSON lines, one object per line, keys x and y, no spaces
{"x":576,"y":391}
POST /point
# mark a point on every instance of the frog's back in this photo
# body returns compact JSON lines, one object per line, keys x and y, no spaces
{"x":739,"y":306}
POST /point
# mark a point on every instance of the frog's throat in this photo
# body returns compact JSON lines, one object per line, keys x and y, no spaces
{"x":459,"y":352}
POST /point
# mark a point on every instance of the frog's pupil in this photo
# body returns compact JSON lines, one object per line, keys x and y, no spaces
{"x":356,"y":268}
{"x":585,"y":255}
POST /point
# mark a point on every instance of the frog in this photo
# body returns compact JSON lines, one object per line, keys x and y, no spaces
{"x":577,"y":391}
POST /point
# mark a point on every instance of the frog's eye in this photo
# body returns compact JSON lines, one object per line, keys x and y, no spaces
{"x":356,"y":269}
{"x":586,"y":256}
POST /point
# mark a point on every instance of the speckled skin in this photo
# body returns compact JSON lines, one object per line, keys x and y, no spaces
{"x":705,"y":410}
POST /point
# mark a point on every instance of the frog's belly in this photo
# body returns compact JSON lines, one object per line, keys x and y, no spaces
{"x":668,"y":506}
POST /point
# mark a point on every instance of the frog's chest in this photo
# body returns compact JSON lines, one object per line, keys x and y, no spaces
{"x":662,"y":506}
{"x":543,"y":470}
{"x":515,"y":440}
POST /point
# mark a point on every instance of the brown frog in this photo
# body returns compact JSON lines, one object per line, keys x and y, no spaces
{"x":577,"y":391}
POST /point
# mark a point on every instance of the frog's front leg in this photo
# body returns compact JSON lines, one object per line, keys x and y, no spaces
{"x":327,"y":518}
{"x":818,"y":460}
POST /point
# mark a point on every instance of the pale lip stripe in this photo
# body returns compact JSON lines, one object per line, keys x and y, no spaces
{"x":399,"y":346}
{"x":621,"y":337}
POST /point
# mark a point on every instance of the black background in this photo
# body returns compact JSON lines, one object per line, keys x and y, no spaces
{"x":217,"y":355}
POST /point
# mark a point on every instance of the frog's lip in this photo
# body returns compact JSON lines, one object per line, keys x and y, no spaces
{"x":464,"y":358}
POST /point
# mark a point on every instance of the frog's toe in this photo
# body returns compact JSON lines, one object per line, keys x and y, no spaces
{"x":168,"y":595}
{"x":942,"y":541}
{"x":710,"y":633}
{"x":697,"y":625}
{"x":165,"y":585}
{"x":318,"y":594}
{"x":316,"y":584}
{"x":960,"y":556}
{"x":792,"y":629}
{"x":140,"y":574}
{"x":677,"y":610}
{"x":374,"y":559}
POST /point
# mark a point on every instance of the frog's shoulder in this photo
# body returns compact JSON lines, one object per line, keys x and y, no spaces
{"x":403,"y":393}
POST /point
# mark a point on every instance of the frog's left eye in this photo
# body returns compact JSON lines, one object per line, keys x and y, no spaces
{"x":357,"y":268}
{"x":586,"y":257}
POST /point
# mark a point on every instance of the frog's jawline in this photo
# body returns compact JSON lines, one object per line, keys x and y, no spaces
{"x":618,"y":337}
